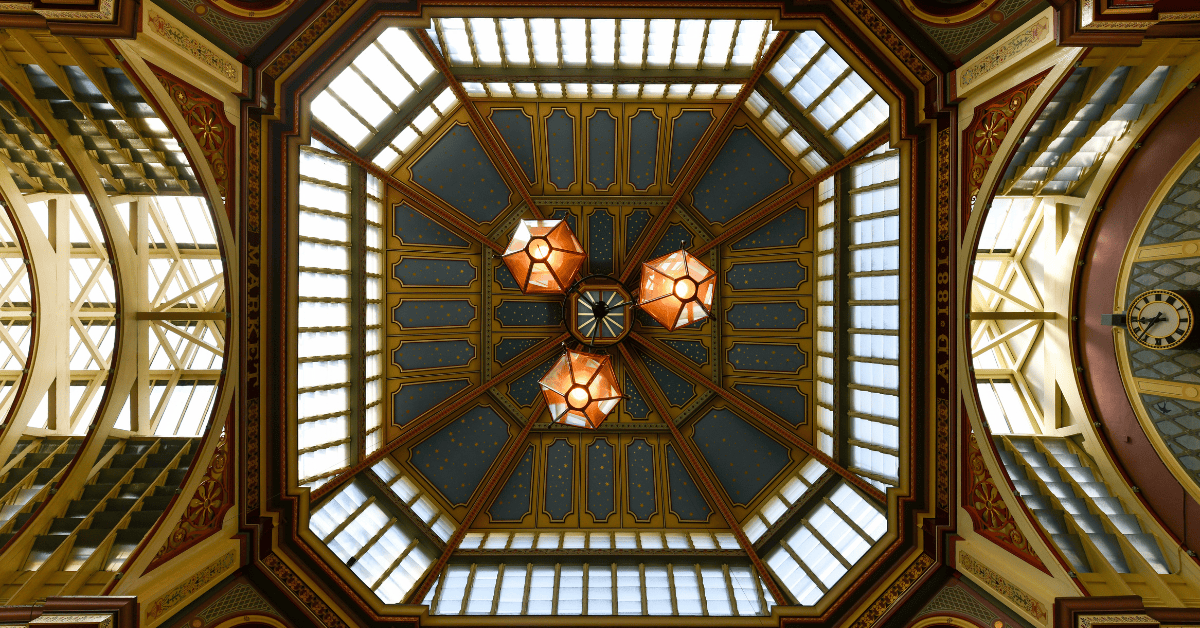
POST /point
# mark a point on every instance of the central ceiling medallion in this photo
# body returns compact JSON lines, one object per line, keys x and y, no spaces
{"x":545,"y":258}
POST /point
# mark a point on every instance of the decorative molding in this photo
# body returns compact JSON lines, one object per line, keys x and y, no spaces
{"x":942,"y":320}
{"x":896,"y":590}
{"x":253,"y":165}
{"x":990,"y":516}
{"x":95,"y":621}
{"x":991,"y":123}
{"x":1006,"y":589}
{"x":304,"y":593}
{"x":1087,"y":621}
{"x":889,"y":38}
{"x":206,"y":510}
{"x":171,"y":32}
{"x":196,"y":582}
{"x":102,"y":13}
{"x":240,"y":598}
{"x":206,"y":119}
{"x":1006,"y":52}
{"x":336,"y":10}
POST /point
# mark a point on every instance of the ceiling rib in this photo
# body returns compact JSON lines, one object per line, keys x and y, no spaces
{"x":481,"y":498}
{"x":739,"y":227}
{"x":600,"y":75}
{"x":687,"y":177}
{"x":409,"y":193}
{"x":791,"y":438}
{"x":694,"y":462}
{"x":463,"y":399}
{"x":513,"y":178}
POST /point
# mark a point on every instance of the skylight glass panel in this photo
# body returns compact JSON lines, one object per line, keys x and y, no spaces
{"x":751,"y":38}
{"x":574,"y":42}
{"x":577,"y":90}
{"x":545,"y":42}
{"x":633,"y":43}
{"x":487,"y":45}
{"x":705,"y":90}
{"x":551,"y":90}
{"x":677,"y":90}
{"x":718,"y":44}
{"x":603,"y":90}
{"x":688,"y":41}
{"x":604,"y":42}
{"x":516,"y":44}
{"x":660,"y":43}
{"x":454,"y":37}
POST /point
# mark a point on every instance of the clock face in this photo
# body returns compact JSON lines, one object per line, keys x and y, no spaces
{"x":1159,"y":319}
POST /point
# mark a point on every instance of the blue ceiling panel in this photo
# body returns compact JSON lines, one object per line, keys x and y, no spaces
{"x":639,"y":463}
{"x":457,"y":457}
{"x":563,"y":214}
{"x":512,"y":504}
{"x":767,"y":358}
{"x":441,"y":313}
{"x":767,"y":275}
{"x":743,"y":459}
{"x":601,"y":501}
{"x":602,"y":149}
{"x":525,"y":389}
{"x":686,"y":501}
{"x":787,"y":402}
{"x":643,"y":149}
{"x":560,"y":476}
{"x":601,"y":244}
{"x":693,"y":350}
{"x":787,"y":230}
{"x":744,"y":172}
{"x":635,"y":405}
{"x":529,"y":313}
{"x":414,"y":399}
{"x":560,"y":146}
{"x":505,"y":278}
{"x":413,"y":227}
{"x":433,"y":354}
{"x":635,"y":223}
{"x":516,"y":129}
{"x":510,"y":348}
{"x":781,"y":315}
{"x":433,"y":272}
{"x":686,"y":131}
{"x":677,"y":389}
{"x":674,"y":238}
{"x":459,"y":172}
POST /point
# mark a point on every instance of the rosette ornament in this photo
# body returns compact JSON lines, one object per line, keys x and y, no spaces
{"x":677,"y":290}
{"x":581,"y":389}
{"x":544,"y":256}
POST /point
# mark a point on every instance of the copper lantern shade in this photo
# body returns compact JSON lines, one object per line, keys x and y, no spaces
{"x":581,"y":389}
{"x":677,"y":290}
{"x":544,"y":256}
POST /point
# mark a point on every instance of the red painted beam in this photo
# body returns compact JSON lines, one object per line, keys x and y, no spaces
{"x":409,"y":193}
{"x":741,"y":226}
{"x":488,"y":130}
{"x":461,"y":400}
{"x":784,"y":433}
{"x":687,"y":177}
{"x":709,"y":485}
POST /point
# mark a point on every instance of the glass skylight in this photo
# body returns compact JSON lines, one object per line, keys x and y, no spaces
{"x":674,"y":44}
{"x":787,"y":135}
{"x":787,"y":495}
{"x":380,"y":81}
{"x":827,"y":90}
{"x":421,"y":124}
{"x":625,"y":91}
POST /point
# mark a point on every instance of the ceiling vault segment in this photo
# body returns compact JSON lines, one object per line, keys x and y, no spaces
{"x":480,"y":499}
{"x":738,"y":227}
{"x":409,"y":193}
{"x":681,"y":367}
{"x":463,"y":399}
{"x":706,"y":481}
{"x":688,"y":176}
{"x":485,"y":126}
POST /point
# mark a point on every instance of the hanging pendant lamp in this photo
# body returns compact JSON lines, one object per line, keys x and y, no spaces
{"x":581,"y":389}
{"x":677,"y":290}
{"x":544,"y":256}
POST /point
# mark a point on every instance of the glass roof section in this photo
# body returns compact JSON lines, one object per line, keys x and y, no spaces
{"x":438,"y":353}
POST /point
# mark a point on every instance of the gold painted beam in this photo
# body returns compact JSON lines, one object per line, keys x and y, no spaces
{"x":1013,"y":316}
{"x":181,"y":315}
{"x":1167,"y":388}
{"x":1170,"y":250}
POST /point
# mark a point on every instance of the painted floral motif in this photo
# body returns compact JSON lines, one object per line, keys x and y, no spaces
{"x":1019,"y":43}
{"x":1006,"y":589}
{"x":992,"y":123}
{"x":206,"y":120}
{"x":989,"y":513}
{"x":203,"y":53}
{"x":207,"y":507}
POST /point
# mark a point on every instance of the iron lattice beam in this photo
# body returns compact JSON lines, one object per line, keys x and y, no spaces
{"x":688,"y":176}
{"x":512,"y":177}
{"x":419,"y":428}
{"x":705,"y":479}
{"x":780,"y":431}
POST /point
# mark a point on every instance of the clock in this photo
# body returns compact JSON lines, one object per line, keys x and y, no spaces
{"x":1162,"y":319}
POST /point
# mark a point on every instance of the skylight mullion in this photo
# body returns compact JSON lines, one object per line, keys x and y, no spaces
{"x":500,"y":579}
{"x":617,"y":44}
{"x":471,"y":41}
{"x":871,"y":475}
{"x":762,"y":43}
{"x":805,"y":68}
{"x":587,"y":64}
{"x":737,"y":25}
{"x":828,"y":90}
{"x":891,"y":392}
{"x":371,"y":84}
{"x":362,"y":551}
{"x":799,"y":561}
{"x":871,"y":331}
{"x":500,"y":42}
{"x":674,"y":45}
{"x":828,"y":546}
{"x":558,"y":41}
{"x":349,"y":519}
{"x":399,"y":68}
{"x":875,"y":418}
{"x":361,"y":120}
{"x":703,"y":44}
{"x":321,"y":417}
{"x":864,"y":444}
{"x":529,"y":42}
{"x":850,"y":112}
{"x":645,"y":48}
{"x":396,"y":563}
{"x":466,"y":599}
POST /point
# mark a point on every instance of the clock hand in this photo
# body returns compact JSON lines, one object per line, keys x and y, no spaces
{"x":1158,"y":318}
